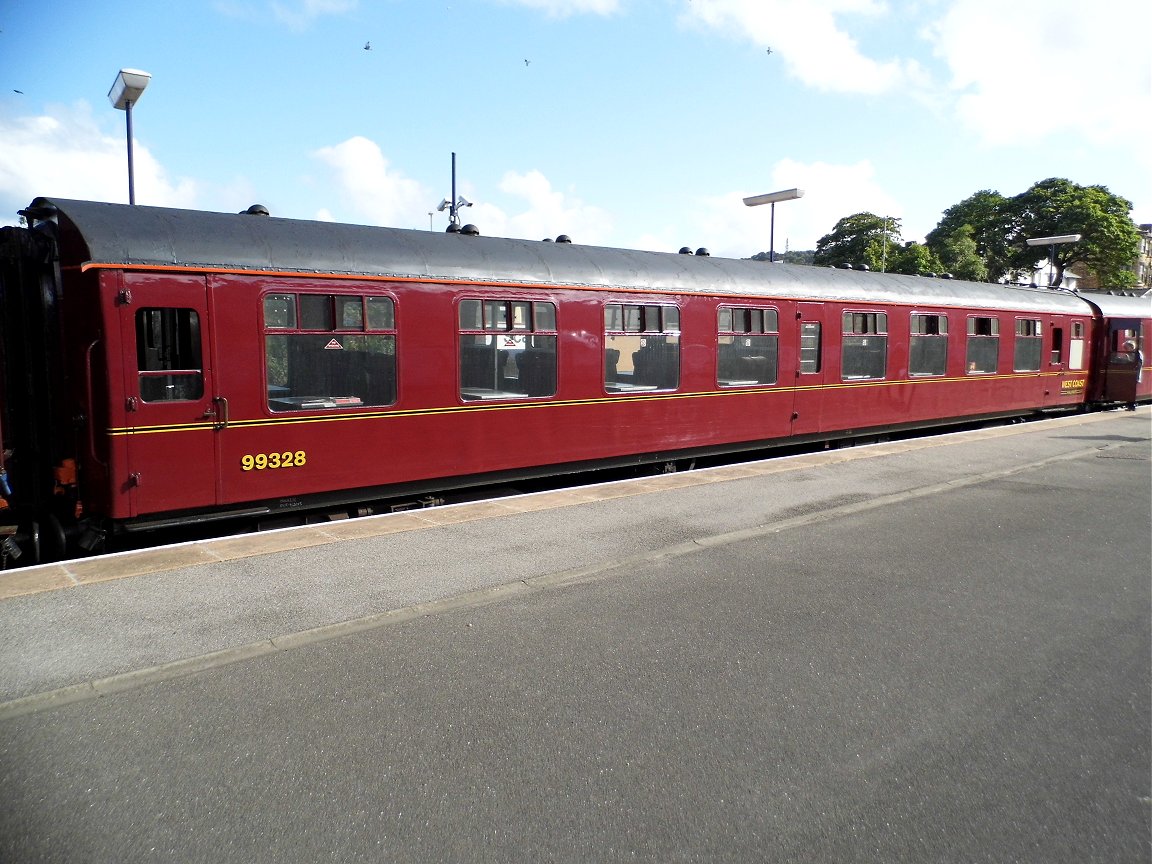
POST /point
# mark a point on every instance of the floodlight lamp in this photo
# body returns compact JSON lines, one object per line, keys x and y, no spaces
{"x":773,"y":197}
{"x":1052,"y":241}
{"x":127,"y":87}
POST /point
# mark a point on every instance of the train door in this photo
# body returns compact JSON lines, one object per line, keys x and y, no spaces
{"x":171,"y":415}
{"x":1067,"y":353}
{"x":1054,"y":341}
{"x":810,"y":337}
{"x":1123,"y":361}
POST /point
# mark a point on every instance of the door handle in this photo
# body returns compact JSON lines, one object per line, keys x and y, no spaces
{"x":219,"y":411}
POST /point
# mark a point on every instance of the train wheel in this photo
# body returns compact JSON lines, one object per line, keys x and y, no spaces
{"x":53,"y":543}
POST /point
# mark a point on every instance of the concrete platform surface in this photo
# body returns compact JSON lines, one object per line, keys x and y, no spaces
{"x":929,"y":650}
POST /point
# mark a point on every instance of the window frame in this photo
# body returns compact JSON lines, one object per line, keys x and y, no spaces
{"x":169,"y":354}
{"x":1028,"y":344}
{"x":527,"y":321}
{"x":859,"y":326}
{"x":974,"y":324}
{"x":340,"y":330}
{"x":759,"y":328}
{"x":940,"y":330}
{"x":639,"y":323}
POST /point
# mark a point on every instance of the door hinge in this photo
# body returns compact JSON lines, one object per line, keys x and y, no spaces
{"x":131,"y":404}
{"x":124,"y":297}
{"x":134,"y":479}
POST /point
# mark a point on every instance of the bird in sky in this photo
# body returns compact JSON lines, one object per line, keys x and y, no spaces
{"x":367,"y":46}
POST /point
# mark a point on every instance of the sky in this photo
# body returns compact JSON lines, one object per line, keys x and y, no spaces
{"x":627,"y":123}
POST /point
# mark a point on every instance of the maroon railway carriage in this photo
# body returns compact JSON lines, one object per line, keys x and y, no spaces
{"x":163,"y":367}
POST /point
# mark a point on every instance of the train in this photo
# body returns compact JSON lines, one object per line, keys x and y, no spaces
{"x":164,"y":368}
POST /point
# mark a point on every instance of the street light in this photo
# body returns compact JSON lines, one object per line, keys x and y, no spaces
{"x":125,"y":93}
{"x":1051,"y":243}
{"x":772,"y":198}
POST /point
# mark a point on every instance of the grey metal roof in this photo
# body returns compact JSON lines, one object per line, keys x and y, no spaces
{"x":123,"y":234}
{"x":1118,"y":306}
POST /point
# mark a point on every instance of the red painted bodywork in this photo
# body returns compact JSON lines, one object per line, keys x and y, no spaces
{"x":176,"y":456}
{"x":143,"y":463}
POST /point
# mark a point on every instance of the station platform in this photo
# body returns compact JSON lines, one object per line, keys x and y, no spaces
{"x":81,"y":628}
{"x":926,"y":650}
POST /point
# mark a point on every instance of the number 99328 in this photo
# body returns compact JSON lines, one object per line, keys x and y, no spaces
{"x":264,"y":461}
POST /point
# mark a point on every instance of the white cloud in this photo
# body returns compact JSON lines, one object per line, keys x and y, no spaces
{"x":300,"y":15}
{"x":728,"y":228}
{"x":64,"y":153}
{"x":1037,"y":67}
{"x":807,"y":35}
{"x":524,"y":205}
{"x":564,"y":8}
{"x":547,"y":213}
{"x":297,"y":15}
{"x":371,"y":188}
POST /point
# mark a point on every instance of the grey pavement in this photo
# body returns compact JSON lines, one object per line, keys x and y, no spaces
{"x":938,"y":651}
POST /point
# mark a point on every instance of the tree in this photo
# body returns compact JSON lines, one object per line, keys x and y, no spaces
{"x":960,"y":256}
{"x":1109,"y":239}
{"x":860,"y":239}
{"x":986,"y":219}
{"x":913,"y":259}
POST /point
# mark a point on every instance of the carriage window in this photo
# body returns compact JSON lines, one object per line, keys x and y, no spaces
{"x":1125,"y":340}
{"x":1076,"y":346}
{"x":329,"y":351}
{"x":507,"y":349}
{"x":1029,"y":345}
{"x":280,"y":311}
{"x":810,"y":346}
{"x":928,"y":345}
{"x":983,"y":353}
{"x":1056,"y":355}
{"x":168,"y":355}
{"x":316,"y":312}
{"x":864,"y":345}
{"x":747,"y":344}
{"x":381,"y":313}
{"x":641,"y":348}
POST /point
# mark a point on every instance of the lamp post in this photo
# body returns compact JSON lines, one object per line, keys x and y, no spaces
{"x":125,"y":93}
{"x":772,"y":198}
{"x":1051,"y":243}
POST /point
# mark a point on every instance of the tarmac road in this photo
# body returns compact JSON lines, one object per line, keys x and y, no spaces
{"x":935,"y":654}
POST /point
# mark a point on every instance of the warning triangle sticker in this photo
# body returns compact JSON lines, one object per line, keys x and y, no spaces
{"x":333,"y":345}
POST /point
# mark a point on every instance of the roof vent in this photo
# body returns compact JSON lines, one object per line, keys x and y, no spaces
{"x":846,"y":266}
{"x":563,"y":238}
{"x":471,"y":230}
{"x":452,"y":228}
{"x":255,"y":210}
{"x":702,"y":252}
{"x":684,"y":250}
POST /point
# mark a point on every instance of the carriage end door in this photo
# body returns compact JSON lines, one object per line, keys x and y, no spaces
{"x":808,"y":402}
{"x":171,"y":416}
{"x":1123,"y":360}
